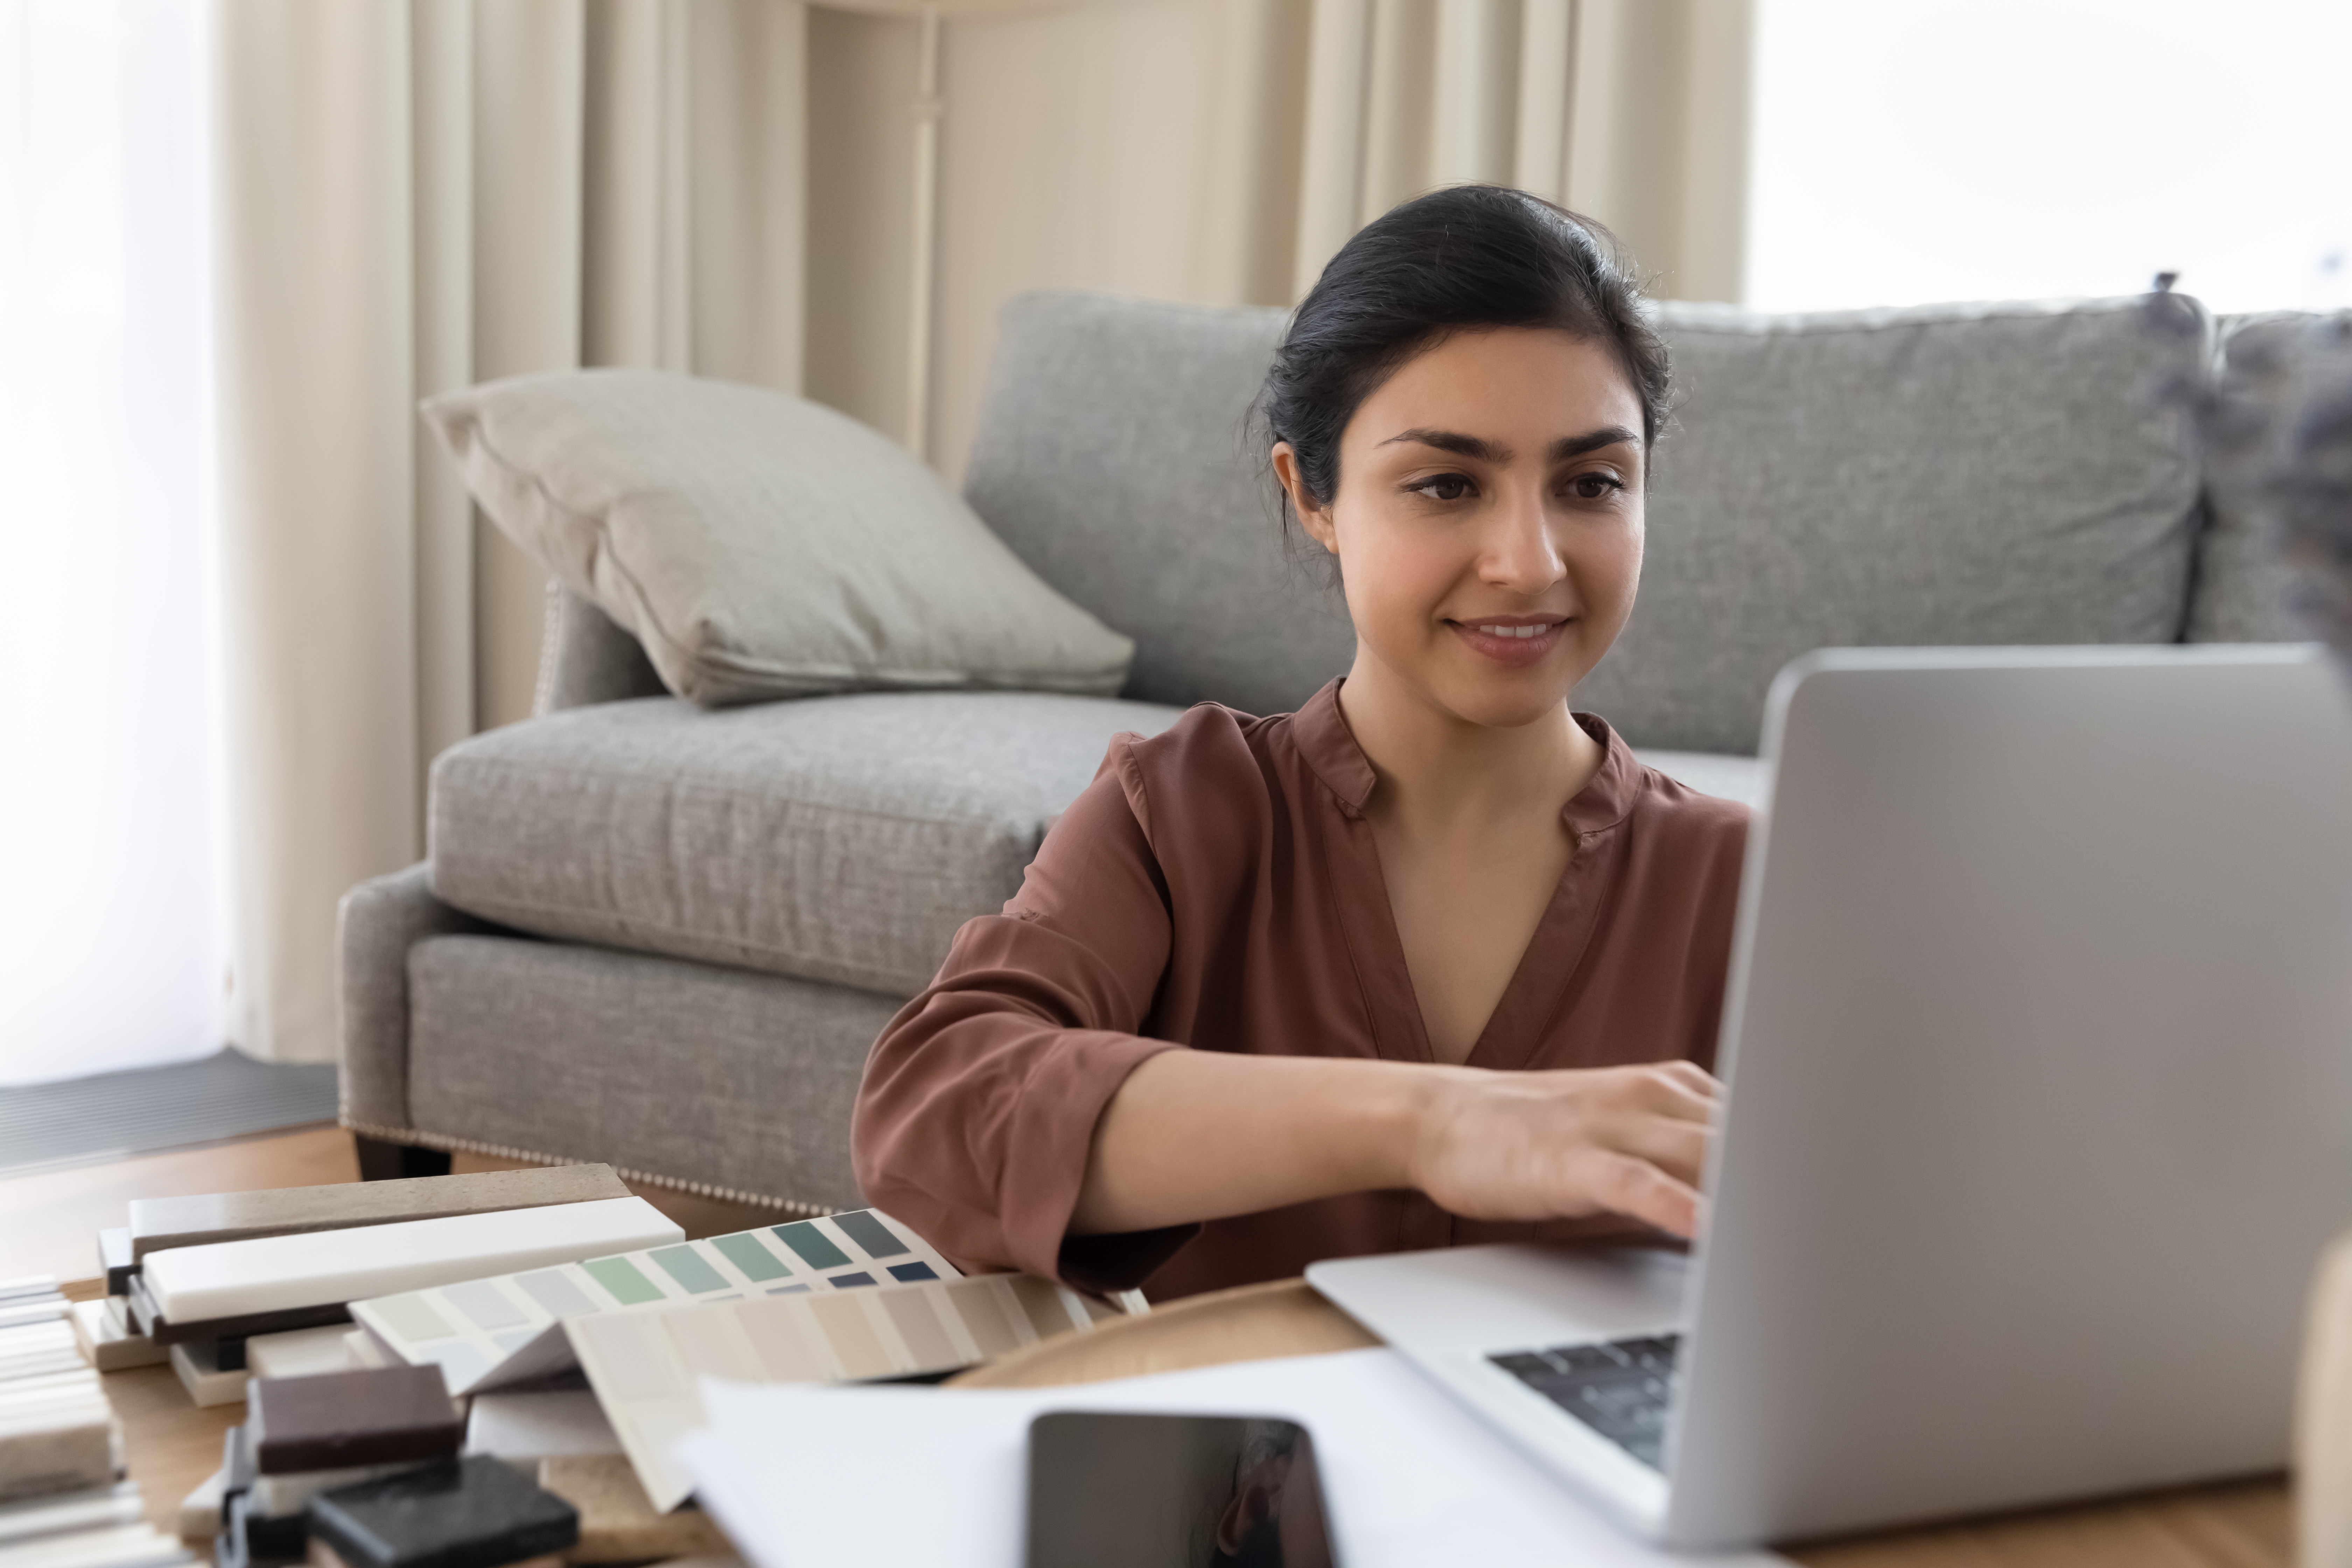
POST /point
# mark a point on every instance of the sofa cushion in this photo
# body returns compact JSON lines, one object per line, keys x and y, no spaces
{"x":759,"y":545}
{"x":840,"y":838}
{"x":1112,"y":457}
{"x":1937,"y":476}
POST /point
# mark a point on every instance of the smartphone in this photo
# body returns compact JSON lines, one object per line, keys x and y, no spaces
{"x":1107,"y":1491}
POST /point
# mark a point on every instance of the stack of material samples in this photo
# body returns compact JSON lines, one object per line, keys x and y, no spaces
{"x":203,"y":1279}
{"x":304,"y":1437}
{"x":63,"y":1503}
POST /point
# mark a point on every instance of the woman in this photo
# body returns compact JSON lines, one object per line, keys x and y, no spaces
{"x":1431,"y":960}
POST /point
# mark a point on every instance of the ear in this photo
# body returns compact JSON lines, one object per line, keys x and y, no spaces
{"x":1316,"y":519}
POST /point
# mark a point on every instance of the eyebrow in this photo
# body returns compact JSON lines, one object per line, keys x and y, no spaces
{"x":1486,"y":451}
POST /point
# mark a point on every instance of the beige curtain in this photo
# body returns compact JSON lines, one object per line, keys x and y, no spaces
{"x":417,"y":195}
{"x":1220,"y":151}
{"x":414,"y":195}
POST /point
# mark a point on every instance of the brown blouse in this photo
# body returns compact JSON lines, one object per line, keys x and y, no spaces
{"x":1217,"y":886}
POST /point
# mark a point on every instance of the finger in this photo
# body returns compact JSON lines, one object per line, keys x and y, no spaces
{"x":1675,"y":1146}
{"x":1630,"y":1186}
{"x":1694,"y":1078}
{"x":1664,"y":1092}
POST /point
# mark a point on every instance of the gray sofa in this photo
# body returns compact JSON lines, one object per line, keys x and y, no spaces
{"x":665,"y":938}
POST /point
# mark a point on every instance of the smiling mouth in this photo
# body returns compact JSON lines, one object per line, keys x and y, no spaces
{"x":1516,"y":642}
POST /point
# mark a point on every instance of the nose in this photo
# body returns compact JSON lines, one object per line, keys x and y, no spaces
{"x":1517,"y":552}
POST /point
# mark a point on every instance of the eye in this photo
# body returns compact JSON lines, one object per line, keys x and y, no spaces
{"x":1594,"y":485}
{"x":1442,"y":486}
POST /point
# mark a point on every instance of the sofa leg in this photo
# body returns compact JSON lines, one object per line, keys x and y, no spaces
{"x":383,"y":1162}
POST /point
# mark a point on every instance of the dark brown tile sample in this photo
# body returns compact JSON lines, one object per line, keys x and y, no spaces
{"x":333,"y":1420}
{"x":159,"y":1222}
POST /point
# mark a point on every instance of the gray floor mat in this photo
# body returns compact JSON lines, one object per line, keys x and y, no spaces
{"x":117,"y":1114}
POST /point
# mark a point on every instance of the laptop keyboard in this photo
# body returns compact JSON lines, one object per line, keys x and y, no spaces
{"x":1620,"y":1389}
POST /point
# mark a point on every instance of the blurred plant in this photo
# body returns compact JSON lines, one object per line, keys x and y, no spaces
{"x":2275,"y":430}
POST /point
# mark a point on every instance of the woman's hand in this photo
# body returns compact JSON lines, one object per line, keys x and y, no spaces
{"x":1566,"y":1144}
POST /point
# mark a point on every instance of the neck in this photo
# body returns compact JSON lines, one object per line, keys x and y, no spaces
{"x":1435,"y":768}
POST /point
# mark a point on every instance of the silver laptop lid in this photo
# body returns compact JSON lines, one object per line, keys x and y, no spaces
{"x":2039,"y":1038}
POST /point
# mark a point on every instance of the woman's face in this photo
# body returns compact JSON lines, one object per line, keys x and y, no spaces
{"x":1488,"y":520}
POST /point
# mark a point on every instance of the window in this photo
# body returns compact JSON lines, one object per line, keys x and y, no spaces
{"x":2016,"y":149}
{"x":110,"y":934}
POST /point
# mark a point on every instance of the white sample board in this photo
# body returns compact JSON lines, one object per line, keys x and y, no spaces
{"x":646,"y":1366}
{"x":489,"y":1333}
{"x":280,"y":1273}
{"x":524,"y":1428}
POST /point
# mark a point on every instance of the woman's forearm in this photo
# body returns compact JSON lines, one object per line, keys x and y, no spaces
{"x":1198,"y":1135}
{"x":1201,"y":1135}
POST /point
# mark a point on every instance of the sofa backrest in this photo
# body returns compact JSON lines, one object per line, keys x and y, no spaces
{"x":1956,"y":474}
{"x":1949,"y":475}
{"x":1111,"y":456}
{"x":2241,"y":583}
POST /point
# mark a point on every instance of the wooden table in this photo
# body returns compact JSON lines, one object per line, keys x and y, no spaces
{"x":2246,"y":1525}
{"x":172,"y":1445}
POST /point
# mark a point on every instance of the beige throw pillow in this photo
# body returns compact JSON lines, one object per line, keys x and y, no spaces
{"x":759,"y":545}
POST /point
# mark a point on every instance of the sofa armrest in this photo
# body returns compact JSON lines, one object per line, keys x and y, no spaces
{"x":376,"y":924}
{"x":585,"y":657}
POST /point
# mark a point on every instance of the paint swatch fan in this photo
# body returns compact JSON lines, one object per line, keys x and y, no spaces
{"x":509,"y":1329}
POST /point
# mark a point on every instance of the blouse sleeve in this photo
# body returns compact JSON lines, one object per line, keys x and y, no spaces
{"x":981,"y":1098}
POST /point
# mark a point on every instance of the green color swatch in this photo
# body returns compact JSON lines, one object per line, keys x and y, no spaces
{"x":815,"y":1247}
{"x":745,"y":1253}
{"x":619,"y":1276}
{"x":412,"y":1318}
{"x":690,"y":1268}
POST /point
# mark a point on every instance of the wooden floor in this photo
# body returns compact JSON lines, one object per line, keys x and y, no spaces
{"x":48,"y":1222}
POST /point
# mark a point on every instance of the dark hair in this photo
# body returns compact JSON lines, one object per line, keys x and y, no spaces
{"x":1459,"y":260}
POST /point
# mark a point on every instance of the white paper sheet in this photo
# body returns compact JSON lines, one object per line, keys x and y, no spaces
{"x":803,"y":1477}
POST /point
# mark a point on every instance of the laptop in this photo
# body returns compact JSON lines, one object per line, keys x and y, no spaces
{"x":2038,"y":1046}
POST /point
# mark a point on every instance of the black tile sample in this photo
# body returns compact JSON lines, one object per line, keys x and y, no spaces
{"x":476,"y":1512}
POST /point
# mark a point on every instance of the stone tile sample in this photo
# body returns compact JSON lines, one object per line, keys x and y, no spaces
{"x":280,"y":1273}
{"x":198,"y":1363}
{"x":303,"y":1352}
{"x":56,"y":1436}
{"x":200,"y":1510}
{"x":145,"y":1319}
{"x":617,"y":1521}
{"x":467,"y":1514}
{"x":106,"y":1345}
{"x":68,"y":1513}
{"x":160,"y":1223}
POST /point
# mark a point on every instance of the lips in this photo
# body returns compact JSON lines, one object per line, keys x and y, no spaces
{"x":1513,"y":641}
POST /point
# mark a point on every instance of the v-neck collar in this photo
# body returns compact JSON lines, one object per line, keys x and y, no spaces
{"x":1514,"y":1031}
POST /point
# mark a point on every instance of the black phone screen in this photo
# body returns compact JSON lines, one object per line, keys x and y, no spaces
{"x":1174,"y":1492}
